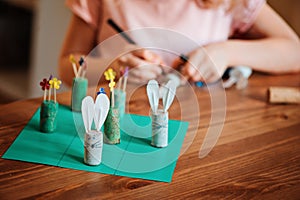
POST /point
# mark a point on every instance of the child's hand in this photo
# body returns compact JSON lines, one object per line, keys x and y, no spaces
{"x":204,"y":64}
{"x":144,"y":65}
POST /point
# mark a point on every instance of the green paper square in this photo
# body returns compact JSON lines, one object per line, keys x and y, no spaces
{"x":73,"y":159}
{"x":46,"y":148}
{"x":64,"y":147}
{"x":148,"y":162}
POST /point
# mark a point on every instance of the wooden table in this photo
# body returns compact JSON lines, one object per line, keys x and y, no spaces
{"x":257,"y":154}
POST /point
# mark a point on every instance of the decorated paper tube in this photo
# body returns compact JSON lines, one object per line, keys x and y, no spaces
{"x":112,"y":126}
{"x":120,"y":101}
{"x":159,"y":128}
{"x":93,"y":142}
{"x":94,"y":113}
{"x":48,"y":116}
{"x":79,"y":91}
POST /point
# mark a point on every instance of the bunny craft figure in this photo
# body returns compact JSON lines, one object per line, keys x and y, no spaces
{"x":93,"y":139}
{"x":160,"y":117}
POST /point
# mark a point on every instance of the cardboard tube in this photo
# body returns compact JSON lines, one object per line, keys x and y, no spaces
{"x":93,"y":145}
{"x":120,"y":101}
{"x":284,"y":95}
{"x":160,"y":122}
{"x":112,"y":127}
{"x":79,"y":90}
{"x":48,"y":116}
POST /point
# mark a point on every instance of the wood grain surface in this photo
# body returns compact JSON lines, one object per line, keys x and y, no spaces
{"x":256,"y":157}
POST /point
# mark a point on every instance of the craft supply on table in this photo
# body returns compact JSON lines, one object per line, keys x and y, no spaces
{"x":238,"y":75}
{"x":93,"y":139}
{"x":112,"y":122}
{"x":80,"y":83}
{"x":160,"y":117}
{"x":112,"y":127}
{"x":49,"y":107}
{"x":284,"y":95}
{"x":120,"y":101}
{"x":48,"y":115}
{"x":120,"y":91}
{"x":79,"y":91}
{"x":159,"y":128}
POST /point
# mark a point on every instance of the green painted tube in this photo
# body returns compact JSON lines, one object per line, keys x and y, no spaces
{"x":79,"y":90}
{"x":112,"y":127}
{"x":120,"y":101}
{"x":48,"y":116}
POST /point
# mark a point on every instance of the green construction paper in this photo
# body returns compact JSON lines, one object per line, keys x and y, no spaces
{"x":133,"y":157}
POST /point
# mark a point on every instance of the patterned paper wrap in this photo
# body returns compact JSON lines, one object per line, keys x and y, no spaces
{"x":79,"y":90}
{"x":120,"y":101}
{"x":93,"y":145}
{"x":160,"y":121}
{"x":48,"y":116}
{"x":112,"y":127}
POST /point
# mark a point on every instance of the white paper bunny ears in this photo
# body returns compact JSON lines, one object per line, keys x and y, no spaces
{"x":166,"y":92}
{"x":94,"y":111}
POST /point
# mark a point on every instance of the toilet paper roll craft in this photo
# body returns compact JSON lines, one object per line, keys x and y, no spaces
{"x":120,"y":92}
{"x":112,"y":122}
{"x":93,"y":139}
{"x":49,"y":107}
{"x":238,"y":75}
{"x":79,"y":86}
{"x":160,"y":117}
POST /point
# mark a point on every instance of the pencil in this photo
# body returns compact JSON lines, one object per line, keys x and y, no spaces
{"x":121,"y":31}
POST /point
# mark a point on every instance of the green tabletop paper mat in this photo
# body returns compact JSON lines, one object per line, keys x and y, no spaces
{"x":134,"y":157}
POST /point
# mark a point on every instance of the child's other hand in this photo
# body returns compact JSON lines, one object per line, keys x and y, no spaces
{"x":204,"y":64}
{"x":144,"y":65}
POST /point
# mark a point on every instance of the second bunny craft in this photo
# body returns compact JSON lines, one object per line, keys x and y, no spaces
{"x":93,"y":139}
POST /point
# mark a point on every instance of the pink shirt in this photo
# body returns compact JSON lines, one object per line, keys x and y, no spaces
{"x":193,"y":24}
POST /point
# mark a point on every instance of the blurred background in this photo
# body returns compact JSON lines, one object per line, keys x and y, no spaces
{"x":32,"y":33}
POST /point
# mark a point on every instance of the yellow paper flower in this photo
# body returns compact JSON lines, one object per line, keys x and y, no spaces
{"x":55,"y":83}
{"x":110,"y":74}
{"x":111,"y":85}
{"x":72,"y":58}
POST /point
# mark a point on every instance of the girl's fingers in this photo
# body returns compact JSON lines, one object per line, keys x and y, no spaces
{"x":148,"y":56}
{"x":135,"y":80}
{"x":130,"y":60}
{"x":144,"y":72}
{"x":178,"y":64}
{"x":136,"y":62}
